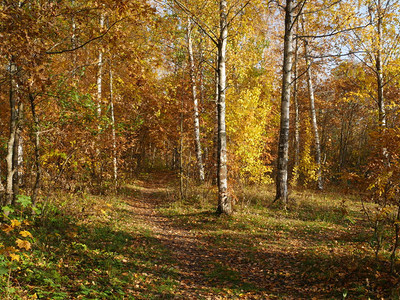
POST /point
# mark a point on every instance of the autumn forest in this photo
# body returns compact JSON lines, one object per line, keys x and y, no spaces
{"x":199,"y":149}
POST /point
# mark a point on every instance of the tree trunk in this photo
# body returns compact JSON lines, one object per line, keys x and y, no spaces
{"x":283,"y":148}
{"x":216,"y":134}
{"x":74,"y":44}
{"x":113,"y":136}
{"x":313,"y":114}
{"x":12,"y":137}
{"x":296,"y":118}
{"x":195,"y":104}
{"x":36,"y":129}
{"x":379,"y":70}
{"x":100,"y":72}
{"x":17,"y":152}
{"x":224,"y":201}
{"x":181,"y":173}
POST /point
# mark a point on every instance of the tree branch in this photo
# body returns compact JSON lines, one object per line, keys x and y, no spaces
{"x":331,"y":33}
{"x":88,"y":41}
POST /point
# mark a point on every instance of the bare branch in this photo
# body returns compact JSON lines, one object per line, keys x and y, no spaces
{"x":331,"y":33}
{"x":204,"y":27}
{"x":88,"y":41}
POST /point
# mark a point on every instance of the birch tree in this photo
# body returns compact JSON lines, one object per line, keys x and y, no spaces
{"x":196,"y":117}
{"x":283,"y":146}
{"x":220,"y":40}
{"x":313,"y":116}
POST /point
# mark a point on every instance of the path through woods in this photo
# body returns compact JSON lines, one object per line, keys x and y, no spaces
{"x":224,"y":263}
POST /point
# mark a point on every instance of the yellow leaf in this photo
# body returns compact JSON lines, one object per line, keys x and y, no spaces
{"x":25,"y":233}
{"x":14,"y":257}
{"x":23,"y":244}
{"x":34,"y":296}
{"x":15,"y":223}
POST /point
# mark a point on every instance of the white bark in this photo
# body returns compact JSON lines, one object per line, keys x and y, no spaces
{"x":296,"y":115}
{"x":114,"y":141}
{"x":12,"y":137}
{"x":283,"y":148}
{"x":196,"y":117}
{"x":224,"y":201}
{"x":313,"y":118}
{"x":100,"y":72}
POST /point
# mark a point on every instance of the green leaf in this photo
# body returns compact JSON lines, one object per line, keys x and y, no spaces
{"x":3,"y":271}
{"x":7,"y":209}
{"x":24,"y":200}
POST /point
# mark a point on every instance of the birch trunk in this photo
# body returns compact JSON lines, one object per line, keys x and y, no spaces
{"x":195,"y":104}
{"x":100,"y":72}
{"x":224,"y":202}
{"x":12,"y":137}
{"x":313,"y":118}
{"x":17,"y":152}
{"x":283,"y":148}
{"x":114,"y":141}
{"x":296,"y":118}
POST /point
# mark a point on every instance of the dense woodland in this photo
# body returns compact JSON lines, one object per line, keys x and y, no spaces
{"x":216,"y":111}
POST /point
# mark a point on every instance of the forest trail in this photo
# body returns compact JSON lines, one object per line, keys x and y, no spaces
{"x":186,"y":248}
{"x":229,"y":266}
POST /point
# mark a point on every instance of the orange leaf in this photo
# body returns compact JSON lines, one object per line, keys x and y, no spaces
{"x":23,"y":244}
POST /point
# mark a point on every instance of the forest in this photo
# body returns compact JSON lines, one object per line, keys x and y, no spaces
{"x":199,"y":149}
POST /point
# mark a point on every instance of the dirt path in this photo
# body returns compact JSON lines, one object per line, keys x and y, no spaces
{"x":214,"y":268}
{"x":183,"y":244}
{"x":195,"y":258}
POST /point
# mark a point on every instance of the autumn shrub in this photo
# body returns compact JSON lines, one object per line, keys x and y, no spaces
{"x":16,"y":245}
{"x":384,"y":193}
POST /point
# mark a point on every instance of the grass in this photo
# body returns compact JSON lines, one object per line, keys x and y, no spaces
{"x":318,"y":248}
{"x":91,"y":249}
{"x":110,"y":247}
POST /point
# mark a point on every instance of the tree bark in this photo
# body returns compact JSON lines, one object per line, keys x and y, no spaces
{"x":296,"y":117}
{"x":195,"y":104}
{"x":313,"y":115}
{"x":12,"y":137}
{"x":379,"y":69}
{"x":113,"y":136}
{"x":36,"y":128}
{"x":224,"y":201}
{"x":100,"y":72}
{"x":283,"y":148}
{"x":17,"y":158}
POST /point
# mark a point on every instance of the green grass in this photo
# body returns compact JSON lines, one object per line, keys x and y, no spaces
{"x":95,"y":253}
{"x":101,"y":247}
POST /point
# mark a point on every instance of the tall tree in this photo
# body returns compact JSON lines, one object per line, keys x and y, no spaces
{"x":196,"y":117}
{"x":224,"y":202}
{"x":283,"y":147}
{"x":313,"y":115}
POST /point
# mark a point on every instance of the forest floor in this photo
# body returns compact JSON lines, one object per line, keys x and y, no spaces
{"x":144,"y":243}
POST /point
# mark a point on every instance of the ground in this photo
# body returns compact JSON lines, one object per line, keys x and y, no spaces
{"x":145,"y":243}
